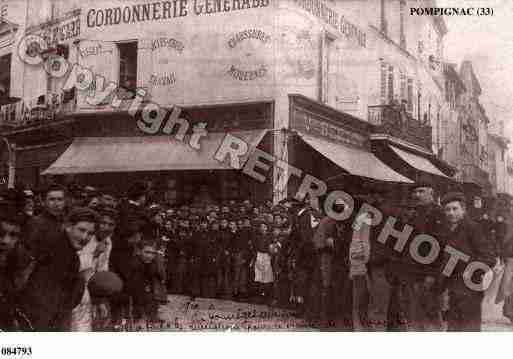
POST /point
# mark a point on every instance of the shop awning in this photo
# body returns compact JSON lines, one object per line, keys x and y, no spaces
{"x":357,"y":162}
{"x":146,"y":153}
{"x":418,"y":162}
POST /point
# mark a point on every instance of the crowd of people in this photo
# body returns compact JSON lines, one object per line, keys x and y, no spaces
{"x":81,"y":259}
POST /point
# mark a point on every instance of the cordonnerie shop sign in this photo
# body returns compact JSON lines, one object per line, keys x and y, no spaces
{"x":166,"y":10}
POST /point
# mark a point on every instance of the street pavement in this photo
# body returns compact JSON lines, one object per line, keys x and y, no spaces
{"x":182,"y":313}
{"x":493,"y":320}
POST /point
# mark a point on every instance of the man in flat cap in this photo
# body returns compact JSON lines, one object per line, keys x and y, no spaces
{"x":415,"y":304}
{"x":463,"y":236}
{"x":56,"y":285}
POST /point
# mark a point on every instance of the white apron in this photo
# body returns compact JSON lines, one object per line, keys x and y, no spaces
{"x":263,"y":268}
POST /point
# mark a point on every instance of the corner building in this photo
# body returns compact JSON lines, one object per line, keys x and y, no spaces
{"x":347,"y":92}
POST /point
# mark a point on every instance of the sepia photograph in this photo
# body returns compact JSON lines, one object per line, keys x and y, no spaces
{"x":255,"y":166}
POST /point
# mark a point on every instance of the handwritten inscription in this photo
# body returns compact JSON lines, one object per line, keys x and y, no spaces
{"x":195,"y":316}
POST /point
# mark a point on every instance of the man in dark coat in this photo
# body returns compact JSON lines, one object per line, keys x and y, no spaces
{"x":55,"y":285}
{"x":465,"y":286}
{"x":123,"y":249}
{"x":206,"y":243}
{"x":331,"y":241}
{"x":133,"y":208}
{"x":242,"y":250}
{"x":14,"y":262}
{"x":224,"y":285}
{"x":304,"y":222}
{"x":48,"y":224}
{"x":413,"y":291}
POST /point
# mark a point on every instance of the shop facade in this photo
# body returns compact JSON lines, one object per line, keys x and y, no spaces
{"x":335,"y":147}
{"x":222,"y":67}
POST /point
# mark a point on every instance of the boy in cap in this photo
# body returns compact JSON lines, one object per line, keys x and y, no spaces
{"x":94,"y":257}
{"x":145,"y":278}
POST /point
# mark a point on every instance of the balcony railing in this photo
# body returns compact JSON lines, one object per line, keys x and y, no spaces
{"x":390,"y":120}
{"x":20,"y":114}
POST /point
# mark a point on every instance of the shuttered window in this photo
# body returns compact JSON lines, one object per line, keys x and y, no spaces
{"x":410,"y":95}
{"x":390,"y":84}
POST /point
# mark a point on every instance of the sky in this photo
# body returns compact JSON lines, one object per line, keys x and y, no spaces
{"x":488,"y":43}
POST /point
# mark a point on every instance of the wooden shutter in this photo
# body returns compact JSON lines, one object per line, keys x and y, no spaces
{"x":410,"y":95}
{"x":390,"y":83}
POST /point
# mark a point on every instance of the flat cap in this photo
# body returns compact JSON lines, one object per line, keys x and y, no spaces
{"x":104,"y":210}
{"x":83,"y":214}
{"x":453,"y":197}
{"x":421,"y":184}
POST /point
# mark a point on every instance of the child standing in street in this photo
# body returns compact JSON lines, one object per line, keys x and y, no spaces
{"x":264,"y":276}
{"x":144,"y":279}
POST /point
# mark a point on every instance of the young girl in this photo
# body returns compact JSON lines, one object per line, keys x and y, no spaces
{"x":264,"y":276}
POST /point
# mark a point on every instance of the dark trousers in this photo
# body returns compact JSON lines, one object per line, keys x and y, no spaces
{"x":240,"y":274}
{"x":224,"y":287}
{"x":179,"y":275}
{"x":194,"y":278}
{"x":120,"y":306}
{"x":464,"y":311}
{"x":208,"y":286}
{"x":333,"y":294}
{"x":412,"y":307}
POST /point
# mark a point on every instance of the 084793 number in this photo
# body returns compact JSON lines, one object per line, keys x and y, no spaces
{"x":15,"y":351}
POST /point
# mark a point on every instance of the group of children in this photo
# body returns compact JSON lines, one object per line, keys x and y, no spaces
{"x":234,"y":251}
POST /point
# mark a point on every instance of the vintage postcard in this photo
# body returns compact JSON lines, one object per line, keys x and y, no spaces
{"x":255,"y":166}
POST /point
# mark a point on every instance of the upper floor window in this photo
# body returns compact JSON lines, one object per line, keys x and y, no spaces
{"x":128,"y":65}
{"x":409,"y":94}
